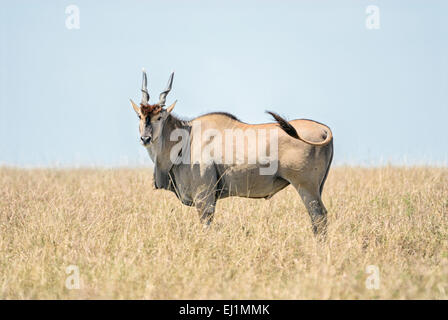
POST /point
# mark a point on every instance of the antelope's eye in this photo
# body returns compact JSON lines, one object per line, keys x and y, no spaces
{"x":159,"y":118}
{"x":140,"y":117}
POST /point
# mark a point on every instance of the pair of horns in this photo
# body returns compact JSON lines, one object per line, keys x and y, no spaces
{"x":162,"y":97}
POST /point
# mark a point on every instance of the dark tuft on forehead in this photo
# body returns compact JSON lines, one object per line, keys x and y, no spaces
{"x":150,"y":109}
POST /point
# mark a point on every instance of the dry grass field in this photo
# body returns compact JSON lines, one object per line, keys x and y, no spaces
{"x":130,"y":241}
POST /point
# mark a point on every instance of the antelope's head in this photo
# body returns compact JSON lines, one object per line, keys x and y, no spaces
{"x":152,"y":116}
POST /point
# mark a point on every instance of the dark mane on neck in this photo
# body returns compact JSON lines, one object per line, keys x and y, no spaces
{"x":178,"y":122}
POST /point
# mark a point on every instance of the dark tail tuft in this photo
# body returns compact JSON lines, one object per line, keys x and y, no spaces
{"x":289,"y":129}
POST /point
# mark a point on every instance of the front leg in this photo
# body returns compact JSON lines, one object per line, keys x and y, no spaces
{"x":205,"y":182}
{"x":206,"y":210}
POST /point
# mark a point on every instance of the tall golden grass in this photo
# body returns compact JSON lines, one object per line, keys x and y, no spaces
{"x":130,"y":241}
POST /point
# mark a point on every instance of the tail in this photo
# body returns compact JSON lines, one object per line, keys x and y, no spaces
{"x":289,"y":129}
{"x":326,"y":172}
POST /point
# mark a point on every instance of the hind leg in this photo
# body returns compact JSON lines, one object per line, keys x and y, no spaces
{"x":316,"y":209}
{"x":204,"y":194}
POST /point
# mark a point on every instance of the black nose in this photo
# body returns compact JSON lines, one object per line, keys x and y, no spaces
{"x":145,"y":140}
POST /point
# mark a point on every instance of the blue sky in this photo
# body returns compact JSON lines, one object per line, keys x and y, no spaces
{"x":64,"y":94}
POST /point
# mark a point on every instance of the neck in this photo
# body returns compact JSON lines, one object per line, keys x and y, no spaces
{"x":161,"y":151}
{"x":171,"y":124}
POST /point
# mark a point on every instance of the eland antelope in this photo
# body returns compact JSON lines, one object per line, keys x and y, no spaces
{"x":220,"y":156}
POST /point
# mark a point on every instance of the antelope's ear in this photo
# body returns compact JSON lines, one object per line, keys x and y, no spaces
{"x":136,"y":108}
{"x":171,"y":107}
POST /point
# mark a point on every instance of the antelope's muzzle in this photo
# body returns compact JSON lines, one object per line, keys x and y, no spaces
{"x":145,"y":140}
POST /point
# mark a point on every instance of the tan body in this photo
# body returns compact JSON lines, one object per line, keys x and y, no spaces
{"x":303,"y":165}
